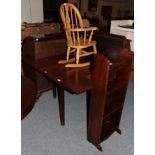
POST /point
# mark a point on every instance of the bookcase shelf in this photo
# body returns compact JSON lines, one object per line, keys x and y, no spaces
{"x":110,"y":80}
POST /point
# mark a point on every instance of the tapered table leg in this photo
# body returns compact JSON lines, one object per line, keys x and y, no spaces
{"x":54,"y":91}
{"x":61,"y":104}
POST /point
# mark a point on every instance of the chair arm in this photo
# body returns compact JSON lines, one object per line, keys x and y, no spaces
{"x":81,"y":33}
{"x":83,"y":29}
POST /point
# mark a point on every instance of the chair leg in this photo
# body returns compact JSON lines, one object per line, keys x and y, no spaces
{"x":94,"y":48}
{"x":68,"y":53}
{"x":77,"y":55}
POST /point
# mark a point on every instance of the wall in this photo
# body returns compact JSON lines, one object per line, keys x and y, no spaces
{"x":117,"y":5}
{"x":31,"y":11}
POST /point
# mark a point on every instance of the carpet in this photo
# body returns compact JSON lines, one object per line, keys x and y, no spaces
{"x":42,"y":133}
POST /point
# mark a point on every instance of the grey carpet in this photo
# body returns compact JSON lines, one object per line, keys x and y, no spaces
{"x":42,"y":133}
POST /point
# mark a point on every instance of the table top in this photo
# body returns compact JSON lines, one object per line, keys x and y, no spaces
{"x":75,"y":80}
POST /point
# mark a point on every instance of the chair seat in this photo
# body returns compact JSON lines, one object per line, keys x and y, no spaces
{"x":82,"y":44}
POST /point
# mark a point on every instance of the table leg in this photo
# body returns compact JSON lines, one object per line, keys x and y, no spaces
{"x":54,"y":91}
{"x":61,"y":104}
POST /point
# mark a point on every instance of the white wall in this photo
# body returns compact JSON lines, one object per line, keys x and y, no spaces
{"x":25,"y":11}
{"x":31,"y":11}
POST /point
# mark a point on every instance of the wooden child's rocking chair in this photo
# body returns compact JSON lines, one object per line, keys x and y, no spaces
{"x":78,"y":37}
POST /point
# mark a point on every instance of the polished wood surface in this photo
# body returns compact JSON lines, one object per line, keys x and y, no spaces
{"x":28,"y":96}
{"x":108,"y":94}
{"x":106,"y":83}
{"x":97,"y":104}
{"x":78,"y":37}
{"x":76,"y":80}
{"x":40,"y":47}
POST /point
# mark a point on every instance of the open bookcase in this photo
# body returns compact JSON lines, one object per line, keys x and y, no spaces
{"x":110,"y":81}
